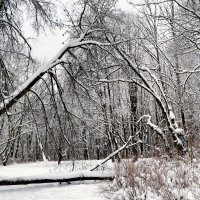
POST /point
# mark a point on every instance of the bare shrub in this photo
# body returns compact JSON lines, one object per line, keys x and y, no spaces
{"x":153,"y":178}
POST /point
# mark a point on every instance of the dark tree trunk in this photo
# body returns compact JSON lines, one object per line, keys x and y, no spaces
{"x":24,"y":181}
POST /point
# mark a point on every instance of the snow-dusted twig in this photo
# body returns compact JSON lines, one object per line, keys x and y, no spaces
{"x":16,"y":29}
{"x":188,"y":9}
{"x":156,"y":81}
{"x":14,"y":138}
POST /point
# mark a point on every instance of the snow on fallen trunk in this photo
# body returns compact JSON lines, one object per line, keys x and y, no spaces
{"x":69,"y":177}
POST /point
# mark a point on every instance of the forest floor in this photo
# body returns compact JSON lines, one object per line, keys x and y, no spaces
{"x":87,"y":190}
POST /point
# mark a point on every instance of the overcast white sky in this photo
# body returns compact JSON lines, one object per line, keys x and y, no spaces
{"x":45,"y":46}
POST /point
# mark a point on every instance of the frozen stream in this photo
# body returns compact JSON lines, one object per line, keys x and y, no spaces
{"x":82,"y":191}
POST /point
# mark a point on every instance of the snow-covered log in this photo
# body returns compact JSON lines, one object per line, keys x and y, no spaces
{"x":70,"y":177}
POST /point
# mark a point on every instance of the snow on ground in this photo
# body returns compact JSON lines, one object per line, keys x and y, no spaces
{"x":89,"y":190}
{"x":49,"y":168}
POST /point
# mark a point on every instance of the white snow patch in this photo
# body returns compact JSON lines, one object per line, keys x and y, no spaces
{"x":171,"y":115}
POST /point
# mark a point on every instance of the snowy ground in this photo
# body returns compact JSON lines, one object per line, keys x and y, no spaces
{"x":89,"y":190}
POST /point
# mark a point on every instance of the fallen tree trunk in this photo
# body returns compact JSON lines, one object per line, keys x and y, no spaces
{"x":71,"y":177}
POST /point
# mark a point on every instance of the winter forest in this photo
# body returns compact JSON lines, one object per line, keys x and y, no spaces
{"x":118,"y":102}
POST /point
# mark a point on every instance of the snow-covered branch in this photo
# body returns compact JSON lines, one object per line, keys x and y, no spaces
{"x":163,"y":106}
{"x":56,"y":60}
{"x":114,"y":153}
{"x":155,"y":128}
